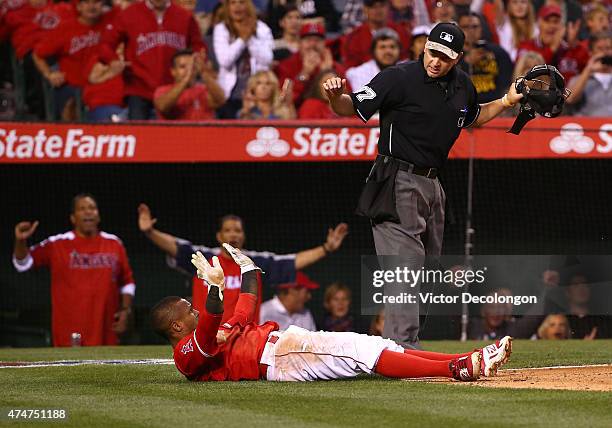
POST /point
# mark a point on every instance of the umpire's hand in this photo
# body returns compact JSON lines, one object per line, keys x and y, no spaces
{"x":334,"y":88}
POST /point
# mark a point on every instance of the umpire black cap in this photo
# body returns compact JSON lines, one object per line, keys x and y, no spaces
{"x":447,"y":38}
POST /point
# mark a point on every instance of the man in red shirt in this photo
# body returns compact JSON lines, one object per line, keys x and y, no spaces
{"x":356,"y":48}
{"x":71,"y":43}
{"x":208,"y":349}
{"x":569,"y":58}
{"x":152,"y":30}
{"x":89,"y":272}
{"x":279,"y":268}
{"x":187,"y":99}
{"x":303,"y":66}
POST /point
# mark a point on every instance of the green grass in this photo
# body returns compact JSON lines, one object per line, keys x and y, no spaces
{"x":151,"y":396}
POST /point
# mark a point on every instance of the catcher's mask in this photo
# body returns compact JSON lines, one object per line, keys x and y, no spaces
{"x":544,"y":92}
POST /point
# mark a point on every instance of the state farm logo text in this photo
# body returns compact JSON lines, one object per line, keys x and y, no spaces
{"x":314,"y":142}
{"x":74,"y":144}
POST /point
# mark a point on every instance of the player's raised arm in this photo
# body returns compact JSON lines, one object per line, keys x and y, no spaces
{"x":209,"y":321}
{"x":146,"y":224}
{"x":341,"y":103}
{"x":332,"y":243}
{"x":244,"y":311}
{"x":23,"y":230}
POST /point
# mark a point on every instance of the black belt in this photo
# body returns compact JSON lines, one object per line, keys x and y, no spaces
{"x":418,"y":170}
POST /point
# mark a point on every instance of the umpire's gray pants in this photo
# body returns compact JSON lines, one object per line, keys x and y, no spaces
{"x":420,"y":205}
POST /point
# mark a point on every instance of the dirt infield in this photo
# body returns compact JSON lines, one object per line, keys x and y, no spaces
{"x":575,"y":378}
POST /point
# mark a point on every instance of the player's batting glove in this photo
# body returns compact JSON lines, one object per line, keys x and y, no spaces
{"x":212,"y":275}
{"x":245,"y":263}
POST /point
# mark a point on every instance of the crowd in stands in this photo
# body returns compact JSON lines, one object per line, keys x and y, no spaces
{"x":114,"y":60}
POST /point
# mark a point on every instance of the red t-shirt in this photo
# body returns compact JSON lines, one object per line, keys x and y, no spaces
{"x":199,"y":358}
{"x":192,"y":104}
{"x":27,"y":25}
{"x":150,"y":44}
{"x":72,"y":43}
{"x":87,"y":276}
{"x":109,"y":92}
{"x":569,"y":61}
{"x":314,"y":108}
{"x":356,"y":48}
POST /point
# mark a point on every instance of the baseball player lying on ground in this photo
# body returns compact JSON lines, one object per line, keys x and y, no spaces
{"x":239,"y":349}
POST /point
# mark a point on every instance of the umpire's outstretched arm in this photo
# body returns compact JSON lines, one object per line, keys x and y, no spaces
{"x":341,"y":103}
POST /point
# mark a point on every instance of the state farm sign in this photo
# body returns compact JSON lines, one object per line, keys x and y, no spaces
{"x":313,"y":142}
{"x":75,"y":143}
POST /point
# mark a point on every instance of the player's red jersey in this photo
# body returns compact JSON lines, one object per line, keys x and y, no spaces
{"x":72,"y":43}
{"x":150,"y":44}
{"x":87,"y":275}
{"x":27,"y":25}
{"x":199,"y":358}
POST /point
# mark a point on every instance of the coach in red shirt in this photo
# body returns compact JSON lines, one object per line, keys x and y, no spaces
{"x":356,"y":48}
{"x":187,"y":99}
{"x":152,"y":30}
{"x":89,"y":272}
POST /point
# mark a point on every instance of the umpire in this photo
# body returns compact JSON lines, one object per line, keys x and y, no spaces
{"x":423,"y":106}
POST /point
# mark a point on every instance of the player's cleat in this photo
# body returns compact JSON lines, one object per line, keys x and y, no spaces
{"x":495,"y":355}
{"x":466,"y":368}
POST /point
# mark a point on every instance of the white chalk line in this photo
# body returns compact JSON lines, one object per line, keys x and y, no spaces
{"x":69,"y":363}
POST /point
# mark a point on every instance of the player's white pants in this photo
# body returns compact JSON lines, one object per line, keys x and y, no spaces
{"x":301,"y":355}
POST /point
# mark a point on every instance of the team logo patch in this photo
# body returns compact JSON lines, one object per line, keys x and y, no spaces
{"x":447,"y":37}
{"x":187,"y":347}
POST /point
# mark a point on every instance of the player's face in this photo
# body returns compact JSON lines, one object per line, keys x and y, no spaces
{"x":232,"y":233}
{"x":339,"y":304}
{"x":387,"y":52}
{"x":438,"y":64}
{"x":291,"y":22}
{"x":237,"y":9}
{"x":518,"y":8}
{"x":549,"y":28}
{"x":90,"y":10}
{"x":86,"y":217}
{"x":186,"y":318}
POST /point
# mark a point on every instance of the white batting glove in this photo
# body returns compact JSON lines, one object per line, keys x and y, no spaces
{"x":212,"y":275}
{"x":245,"y":263}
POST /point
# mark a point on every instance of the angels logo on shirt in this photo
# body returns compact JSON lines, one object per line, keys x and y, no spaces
{"x":187,"y":347}
{"x":47,"y":20}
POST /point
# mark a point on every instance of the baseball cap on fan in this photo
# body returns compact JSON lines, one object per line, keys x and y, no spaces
{"x":447,"y":38}
{"x":549,"y":10}
{"x":301,"y":280}
{"x":312,"y":29}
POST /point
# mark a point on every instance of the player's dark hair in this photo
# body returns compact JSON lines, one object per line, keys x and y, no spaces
{"x":162,"y":315}
{"x":75,"y":200}
{"x":227,"y":217}
{"x":180,"y":53}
